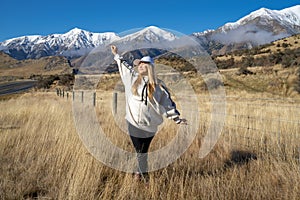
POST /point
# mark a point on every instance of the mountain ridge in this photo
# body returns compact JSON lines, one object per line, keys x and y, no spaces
{"x":272,"y":68}
{"x":259,"y":27}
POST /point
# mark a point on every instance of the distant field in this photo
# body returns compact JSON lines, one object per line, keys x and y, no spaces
{"x":256,"y":157}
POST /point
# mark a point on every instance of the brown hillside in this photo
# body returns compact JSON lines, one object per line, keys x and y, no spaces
{"x":272,"y":68}
{"x":280,"y":48}
{"x":6,"y":61}
{"x":14,"y":69}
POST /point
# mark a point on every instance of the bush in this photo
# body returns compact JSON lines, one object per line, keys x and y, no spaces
{"x":225,"y":64}
{"x":63,"y":80}
{"x":46,"y":82}
{"x":66,"y":80}
{"x":244,"y":70}
{"x":213,"y":83}
{"x":285,"y":45}
{"x":287,"y":61}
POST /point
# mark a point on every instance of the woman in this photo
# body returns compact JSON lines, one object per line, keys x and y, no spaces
{"x":146,"y":103}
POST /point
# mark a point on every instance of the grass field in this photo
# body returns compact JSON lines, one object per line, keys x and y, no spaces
{"x":42,"y":156}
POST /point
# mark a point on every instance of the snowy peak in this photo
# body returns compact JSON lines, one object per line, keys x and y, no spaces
{"x":294,"y":9}
{"x":22,"y":39}
{"x":287,"y":16}
{"x":82,"y":38}
{"x":259,"y":27}
{"x":162,"y":34}
{"x":76,"y":31}
{"x":292,"y":13}
{"x":151,"y":34}
{"x":75,"y":42}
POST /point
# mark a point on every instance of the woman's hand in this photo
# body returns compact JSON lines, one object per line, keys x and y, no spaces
{"x":180,"y":121}
{"x":114,"y":49}
{"x":183,"y":121}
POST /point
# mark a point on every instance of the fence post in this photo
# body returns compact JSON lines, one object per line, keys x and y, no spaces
{"x":63,"y":93}
{"x":248,"y":131}
{"x":94,"y":99}
{"x":236,"y":128}
{"x":278,"y":137}
{"x":67,"y":95}
{"x":81,"y":96}
{"x":299,"y":156}
{"x":114,"y":102}
{"x":298,"y":148}
{"x":265,"y":145}
{"x":73,"y":95}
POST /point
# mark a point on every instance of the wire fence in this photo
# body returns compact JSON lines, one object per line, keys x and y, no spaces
{"x":265,"y":125}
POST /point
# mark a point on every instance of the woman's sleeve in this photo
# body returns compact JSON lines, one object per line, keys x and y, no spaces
{"x":126,"y":71}
{"x":170,"y":110}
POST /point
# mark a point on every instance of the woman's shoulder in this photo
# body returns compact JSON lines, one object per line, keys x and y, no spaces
{"x":161,"y":84}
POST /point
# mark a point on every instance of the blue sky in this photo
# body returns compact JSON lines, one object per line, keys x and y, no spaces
{"x":33,"y":17}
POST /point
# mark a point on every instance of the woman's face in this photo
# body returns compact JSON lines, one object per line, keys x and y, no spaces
{"x":142,"y":69}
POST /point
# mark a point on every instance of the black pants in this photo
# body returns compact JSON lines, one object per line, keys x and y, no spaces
{"x":141,"y":146}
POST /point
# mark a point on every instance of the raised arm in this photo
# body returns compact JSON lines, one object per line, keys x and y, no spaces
{"x":125,"y":69}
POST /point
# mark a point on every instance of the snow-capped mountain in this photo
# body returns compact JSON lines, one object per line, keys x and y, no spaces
{"x":151,"y":34}
{"x":76,"y":42}
{"x":288,"y":17}
{"x":149,"y":37}
{"x":259,"y":27}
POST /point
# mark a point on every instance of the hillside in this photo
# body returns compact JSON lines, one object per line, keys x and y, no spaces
{"x":285,"y":51}
{"x":271,"y":68}
{"x":6,"y":61}
{"x":11,"y":69}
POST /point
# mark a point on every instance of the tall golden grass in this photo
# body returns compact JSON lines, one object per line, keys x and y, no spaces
{"x":42,"y":156}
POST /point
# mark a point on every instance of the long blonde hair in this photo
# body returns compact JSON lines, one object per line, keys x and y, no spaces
{"x":152,"y":81}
